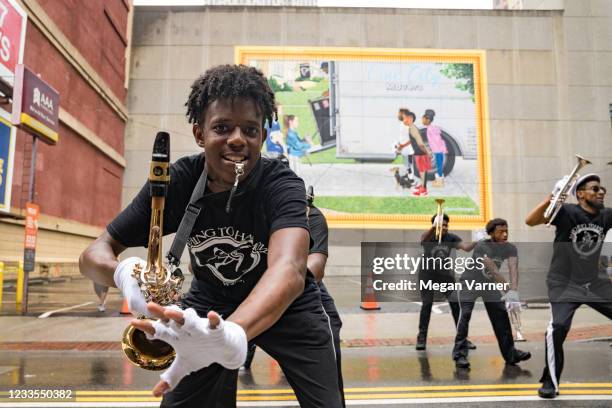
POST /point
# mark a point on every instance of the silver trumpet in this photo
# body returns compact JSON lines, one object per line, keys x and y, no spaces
{"x":557,"y":201}
{"x":515,"y":319}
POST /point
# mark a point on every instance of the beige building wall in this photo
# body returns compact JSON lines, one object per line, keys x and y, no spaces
{"x":549,"y":87}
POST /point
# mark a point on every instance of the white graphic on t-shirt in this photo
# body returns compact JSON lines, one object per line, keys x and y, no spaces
{"x":587,"y":238}
{"x":228,"y":253}
{"x":440,"y":251}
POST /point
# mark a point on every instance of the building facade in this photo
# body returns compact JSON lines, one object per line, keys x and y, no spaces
{"x":82,"y":52}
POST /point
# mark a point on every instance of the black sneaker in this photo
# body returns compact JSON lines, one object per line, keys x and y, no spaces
{"x":471,"y":345}
{"x":462,"y":362}
{"x":547,"y":390}
{"x":421,"y":343}
{"x":520,"y":356}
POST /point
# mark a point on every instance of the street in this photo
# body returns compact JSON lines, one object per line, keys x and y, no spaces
{"x":77,"y":349}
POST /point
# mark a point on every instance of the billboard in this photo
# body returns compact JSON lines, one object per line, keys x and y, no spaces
{"x":339,"y":126}
{"x":13,"y":21}
{"x":7,"y":152}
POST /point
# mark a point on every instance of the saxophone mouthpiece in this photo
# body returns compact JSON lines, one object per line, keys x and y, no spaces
{"x":159,"y":175}
{"x":239,"y":170}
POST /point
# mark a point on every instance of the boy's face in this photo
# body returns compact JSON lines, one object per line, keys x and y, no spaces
{"x":231,"y":133}
{"x":500,"y":234}
{"x":425,"y":121}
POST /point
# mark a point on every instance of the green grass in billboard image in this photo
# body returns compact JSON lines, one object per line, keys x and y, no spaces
{"x":396,"y":205}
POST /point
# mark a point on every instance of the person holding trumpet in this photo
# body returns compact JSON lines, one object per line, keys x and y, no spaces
{"x":492,"y":252}
{"x":437,"y":242}
{"x":573,"y":278}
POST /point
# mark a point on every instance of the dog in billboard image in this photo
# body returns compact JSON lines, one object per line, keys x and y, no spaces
{"x":402,"y":181}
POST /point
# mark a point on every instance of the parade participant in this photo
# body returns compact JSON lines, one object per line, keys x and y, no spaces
{"x":317,"y":259}
{"x":573,"y":278}
{"x":248,"y":251}
{"x":491,"y":253}
{"x":404,"y":146}
{"x":102,"y":293}
{"x":436,"y":272}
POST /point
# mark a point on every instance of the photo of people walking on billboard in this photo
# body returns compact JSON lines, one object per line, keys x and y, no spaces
{"x":379,"y":136}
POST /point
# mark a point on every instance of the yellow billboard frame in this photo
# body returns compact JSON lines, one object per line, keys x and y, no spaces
{"x":245,"y":54}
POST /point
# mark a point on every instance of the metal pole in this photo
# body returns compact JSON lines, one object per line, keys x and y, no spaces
{"x":20,"y":291}
{"x":26,"y":274}
{"x":33,"y":170}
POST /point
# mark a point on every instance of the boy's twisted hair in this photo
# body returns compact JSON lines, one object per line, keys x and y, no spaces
{"x":230,"y":81}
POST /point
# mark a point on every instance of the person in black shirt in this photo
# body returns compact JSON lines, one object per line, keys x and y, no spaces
{"x":492,"y":253}
{"x":317,"y":259}
{"x":248,"y":250}
{"x":573,"y":275}
{"x":435,"y":272}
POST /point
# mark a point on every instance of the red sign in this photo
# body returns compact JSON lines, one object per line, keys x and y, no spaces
{"x":31,"y":230}
{"x":35,"y":105}
{"x":12,"y":37}
{"x":31,"y":225}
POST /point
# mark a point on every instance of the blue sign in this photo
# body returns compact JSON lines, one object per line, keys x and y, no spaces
{"x":7,"y":147}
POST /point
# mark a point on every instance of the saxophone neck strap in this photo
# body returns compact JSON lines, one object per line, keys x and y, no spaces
{"x":188,"y":221}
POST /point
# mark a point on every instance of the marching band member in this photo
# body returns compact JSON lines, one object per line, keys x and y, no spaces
{"x":573,"y":278}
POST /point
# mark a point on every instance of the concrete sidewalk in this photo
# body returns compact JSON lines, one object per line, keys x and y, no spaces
{"x":75,"y":319}
{"x":359,"y":329}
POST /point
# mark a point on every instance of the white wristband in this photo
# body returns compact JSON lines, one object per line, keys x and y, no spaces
{"x":129,"y":286}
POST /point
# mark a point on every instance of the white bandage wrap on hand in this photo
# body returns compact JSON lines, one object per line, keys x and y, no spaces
{"x":198,"y":346}
{"x":129,"y":286}
{"x":560,"y":185}
{"x":512,"y":296}
{"x":438,"y":219}
{"x":480,"y":235}
{"x":512,"y":300}
{"x":510,"y":306}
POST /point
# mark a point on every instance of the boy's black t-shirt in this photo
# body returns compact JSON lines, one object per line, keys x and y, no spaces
{"x":496,"y":251}
{"x":228,"y":252}
{"x":579,"y":239}
{"x":442,"y":250}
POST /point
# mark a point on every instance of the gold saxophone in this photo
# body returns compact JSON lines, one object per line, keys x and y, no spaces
{"x":157,"y":282}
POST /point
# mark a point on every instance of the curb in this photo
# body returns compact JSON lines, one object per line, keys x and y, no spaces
{"x":594,"y":333}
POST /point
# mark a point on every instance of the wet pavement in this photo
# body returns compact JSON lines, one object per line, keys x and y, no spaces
{"x":78,"y":350}
{"x":369,"y":373}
